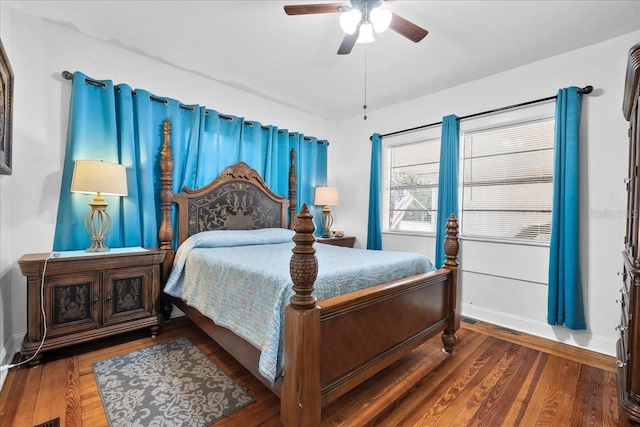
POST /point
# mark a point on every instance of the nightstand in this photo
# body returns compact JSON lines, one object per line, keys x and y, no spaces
{"x":346,"y":241}
{"x":90,"y":296}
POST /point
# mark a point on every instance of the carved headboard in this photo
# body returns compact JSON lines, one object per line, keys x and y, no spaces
{"x":238,"y":199}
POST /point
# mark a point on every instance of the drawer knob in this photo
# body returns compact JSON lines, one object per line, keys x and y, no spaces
{"x":621,"y":328}
{"x":620,"y":363}
{"x":624,"y":291}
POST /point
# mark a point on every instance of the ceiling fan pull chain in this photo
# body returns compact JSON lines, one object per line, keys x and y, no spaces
{"x":365,"y":82}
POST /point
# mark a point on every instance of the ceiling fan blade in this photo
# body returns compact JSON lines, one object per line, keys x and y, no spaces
{"x":348,"y":42}
{"x":307,"y":9}
{"x":407,"y":28}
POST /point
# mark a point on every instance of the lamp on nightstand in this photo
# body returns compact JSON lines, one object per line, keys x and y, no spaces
{"x":326,"y":196}
{"x":99,"y":178}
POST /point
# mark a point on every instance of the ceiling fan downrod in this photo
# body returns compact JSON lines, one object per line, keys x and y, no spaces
{"x":365,"y":82}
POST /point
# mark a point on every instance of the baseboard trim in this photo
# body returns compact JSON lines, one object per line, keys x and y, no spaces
{"x":6,"y":356}
{"x":581,"y":339}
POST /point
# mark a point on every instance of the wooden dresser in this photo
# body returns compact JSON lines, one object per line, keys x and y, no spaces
{"x":628,"y":347}
{"x":89,"y":297}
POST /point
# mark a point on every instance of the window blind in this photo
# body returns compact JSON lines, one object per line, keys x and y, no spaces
{"x":413,"y":186}
{"x":508,"y":181}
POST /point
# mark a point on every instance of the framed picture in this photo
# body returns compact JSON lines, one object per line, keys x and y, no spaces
{"x":6,"y":112}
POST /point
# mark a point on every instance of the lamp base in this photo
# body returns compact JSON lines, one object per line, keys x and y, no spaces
{"x":97,"y":222}
{"x":327,"y":222}
{"x":97,"y":248}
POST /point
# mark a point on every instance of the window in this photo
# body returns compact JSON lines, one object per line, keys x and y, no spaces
{"x":506,"y":177}
{"x":412,"y":186}
{"x":508,"y":181}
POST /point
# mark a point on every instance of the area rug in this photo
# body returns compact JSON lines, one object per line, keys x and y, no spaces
{"x":171,"y":384}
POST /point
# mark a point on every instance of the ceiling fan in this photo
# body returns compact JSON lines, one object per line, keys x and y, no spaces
{"x":359,"y":17}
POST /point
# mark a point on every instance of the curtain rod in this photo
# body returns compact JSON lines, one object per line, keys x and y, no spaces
{"x":585,"y":90}
{"x":69,"y":76}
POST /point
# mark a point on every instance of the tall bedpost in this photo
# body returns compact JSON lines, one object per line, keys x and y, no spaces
{"x":451,"y":248}
{"x":166,"y":192}
{"x":301,"y":391}
{"x":166,"y":233}
{"x":293,"y":185}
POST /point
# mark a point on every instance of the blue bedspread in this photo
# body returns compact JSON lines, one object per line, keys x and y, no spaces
{"x":240,"y":280}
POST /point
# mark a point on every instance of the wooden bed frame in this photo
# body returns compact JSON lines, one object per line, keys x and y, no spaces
{"x":331,"y":346}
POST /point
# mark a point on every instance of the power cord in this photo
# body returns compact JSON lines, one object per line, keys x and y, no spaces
{"x":44,"y":317}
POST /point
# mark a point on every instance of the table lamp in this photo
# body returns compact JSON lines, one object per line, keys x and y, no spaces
{"x":326,"y":196}
{"x":99,"y":178}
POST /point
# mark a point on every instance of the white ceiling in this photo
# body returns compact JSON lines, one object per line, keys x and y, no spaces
{"x":256,"y":47}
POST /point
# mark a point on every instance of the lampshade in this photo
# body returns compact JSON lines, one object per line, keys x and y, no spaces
{"x":349,"y":20}
{"x":366,"y":33}
{"x":381,"y":19}
{"x":327,"y":196}
{"x":94,"y":176}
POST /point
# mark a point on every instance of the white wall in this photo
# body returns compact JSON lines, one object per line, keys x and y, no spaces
{"x":506,"y":284}
{"x":39,"y":51}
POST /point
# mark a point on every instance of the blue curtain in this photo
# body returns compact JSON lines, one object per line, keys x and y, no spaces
{"x":99,"y":135}
{"x":319,"y":178}
{"x":447,"y":181}
{"x":374,"y":229}
{"x":565,"y":305}
{"x":120,"y":125}
{"x":311,"y":157}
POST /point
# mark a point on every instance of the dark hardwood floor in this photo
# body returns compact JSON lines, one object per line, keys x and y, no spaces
{"x":496,"y":377}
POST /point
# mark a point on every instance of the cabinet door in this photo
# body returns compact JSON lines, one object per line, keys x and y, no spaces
{"x":128,"y":293}
{"x":72,"y":303}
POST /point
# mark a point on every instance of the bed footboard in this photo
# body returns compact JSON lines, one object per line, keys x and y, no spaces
{"x":367,"y":331}
{"x":333,"y":346}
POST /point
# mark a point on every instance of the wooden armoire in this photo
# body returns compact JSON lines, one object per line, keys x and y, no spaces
{"x":628,"y":347}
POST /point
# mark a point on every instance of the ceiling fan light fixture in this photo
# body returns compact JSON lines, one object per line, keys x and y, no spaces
{"x":366,"y":33}
{"x":349,"y":20}
{"x":381,"y":19}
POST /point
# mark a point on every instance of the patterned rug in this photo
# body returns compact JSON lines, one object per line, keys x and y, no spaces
{"x":168,"y":384}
